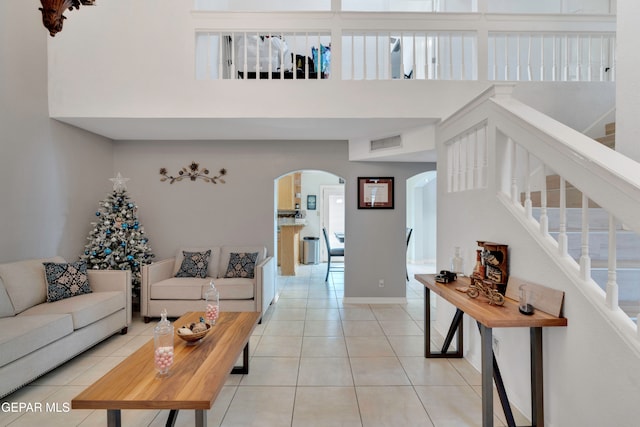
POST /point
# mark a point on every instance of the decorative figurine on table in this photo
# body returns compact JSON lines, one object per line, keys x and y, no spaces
{"x":490,"y":273}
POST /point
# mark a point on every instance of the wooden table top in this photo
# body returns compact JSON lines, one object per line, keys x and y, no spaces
{"x":492,"y":316}
{"x":194,"y":381}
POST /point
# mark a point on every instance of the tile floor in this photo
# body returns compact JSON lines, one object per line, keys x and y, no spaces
{"x":314,"y":362}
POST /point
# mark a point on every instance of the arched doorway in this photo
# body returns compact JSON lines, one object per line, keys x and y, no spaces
{"x":317,"y":201}
{"x":421,"y":217}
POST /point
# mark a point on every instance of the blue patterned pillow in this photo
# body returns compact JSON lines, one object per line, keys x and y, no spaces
{"x":194,"y":264}
{"x":65,"y":280}
{"x":242,"y":265}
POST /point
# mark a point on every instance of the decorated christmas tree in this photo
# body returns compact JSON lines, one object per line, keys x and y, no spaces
{"x":117,"y":240}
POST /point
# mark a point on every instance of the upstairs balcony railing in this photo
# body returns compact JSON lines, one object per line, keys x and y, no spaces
{"x":373,"y":46}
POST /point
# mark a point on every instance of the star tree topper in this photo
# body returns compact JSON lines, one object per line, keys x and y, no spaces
{"x":119,"y":183}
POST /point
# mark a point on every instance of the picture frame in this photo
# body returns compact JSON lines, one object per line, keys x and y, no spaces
{"x":311,"y":202}
{"x":375,"y":193}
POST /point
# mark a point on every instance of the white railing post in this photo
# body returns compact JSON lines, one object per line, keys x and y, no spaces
{"x":612,"y":283}
{"x":512,"y":168}
{"x":528,"y":210}
{"x":544,"y":217}
{"x":562,"y":236}
{"x":585,"y":260}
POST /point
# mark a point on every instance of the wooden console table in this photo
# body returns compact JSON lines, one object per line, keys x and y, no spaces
{"x":194,"y":381}
{"x":489,"y":317}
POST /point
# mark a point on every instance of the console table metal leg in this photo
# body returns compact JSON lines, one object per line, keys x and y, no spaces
{"x":487,"y":376}
{"x":171,"y":419}
{"x":537,"y":389}
{"x":456,"y":326}
{"x":114,"y":418}
{"x":201,"y":418}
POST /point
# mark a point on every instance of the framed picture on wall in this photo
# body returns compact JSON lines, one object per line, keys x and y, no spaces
{"x":375,"y":193}
{"x":311,"y":202}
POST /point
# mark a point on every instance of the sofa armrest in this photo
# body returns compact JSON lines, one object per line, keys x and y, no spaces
{"x":153,"y":273}
{"x":112,"y":280}
{"x":265,"y":284}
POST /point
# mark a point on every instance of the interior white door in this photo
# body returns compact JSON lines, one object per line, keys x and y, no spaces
{"x":331,"y":216}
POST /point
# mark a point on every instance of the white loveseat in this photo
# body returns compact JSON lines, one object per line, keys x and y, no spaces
{"x":37,"y":336}
{"x":161,"y":289}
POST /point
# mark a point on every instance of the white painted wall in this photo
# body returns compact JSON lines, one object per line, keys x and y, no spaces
{"x":628,"y":86}
{"x":242,"y":211}
{"x":52,"y":175}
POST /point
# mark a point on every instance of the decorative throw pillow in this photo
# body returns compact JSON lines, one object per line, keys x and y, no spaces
{"x":65,"y":280}
{"x":194,"y":264}
{"x":242,"y":264}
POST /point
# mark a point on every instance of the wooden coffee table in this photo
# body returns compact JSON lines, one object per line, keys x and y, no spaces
{"x":198,"y":373}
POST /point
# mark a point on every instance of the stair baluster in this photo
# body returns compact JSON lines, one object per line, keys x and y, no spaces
{"x":527,"y":184}
{"x":544,"y":218}
{"x":585,"y":260}
{"x":612,"y":282}
{"x":562,"y":237}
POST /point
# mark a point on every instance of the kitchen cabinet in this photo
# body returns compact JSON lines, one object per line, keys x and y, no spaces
{"x":289,"y":189}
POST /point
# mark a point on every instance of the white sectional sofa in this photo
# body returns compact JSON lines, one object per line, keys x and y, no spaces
{"x":161,"y":289}
{"x":37,"y":336}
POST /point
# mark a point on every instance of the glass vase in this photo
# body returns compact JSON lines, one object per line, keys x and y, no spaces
{"x":212,"y":304}
{"x":163,"y":345}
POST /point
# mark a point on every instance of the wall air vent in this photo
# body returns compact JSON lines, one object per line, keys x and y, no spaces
{"x":386,"y":143}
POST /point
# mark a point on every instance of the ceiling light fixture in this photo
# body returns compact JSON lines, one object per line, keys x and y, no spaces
{"x":52,"y":12}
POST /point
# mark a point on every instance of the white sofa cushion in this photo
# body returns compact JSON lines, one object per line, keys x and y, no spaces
{"x":226,"y":251}
{"x":6,"y":308}
{"x":233,"y":288}
{"x":84,"y":309}
{"x":214,"y":259}
{"x":25,"y":282}
{"x":22,"y":335}
{"x":178,"y":288}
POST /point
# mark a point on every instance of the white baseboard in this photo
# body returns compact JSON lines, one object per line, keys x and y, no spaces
{"x":374,"y":300}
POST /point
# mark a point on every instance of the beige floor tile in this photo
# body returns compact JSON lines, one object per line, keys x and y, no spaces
{"x":407,"y":345}
{"x":452,"y":406}
{"x":324,"y":347}
{"x":289,"y":314}
{"x":69,"y":371}
{"x":285,"y":328}
{"x":325,"y":314}
{"x":353,"y":312}
{"x":325,"y":371}
{"x":323,"y":328}
{"x":272,"y":371}
{"x":361,"y":328}
{"x":279,"y":346}
{"x":261,"y":407}
{"x":323,"y":303}
{"x":369,"y":347}
{"x":378,"y":371}
{"x":423,"y":371}
{"x":98,"y":370}
{"x":390,"y":312}
{"x":468,"y":372}
{"x":400,"y":327}
{"x":395,"y":406}
{"x":292,"y":302}
{"x":131,"y":346}
{"x":30,"y":393}
{"x":326,"y":407}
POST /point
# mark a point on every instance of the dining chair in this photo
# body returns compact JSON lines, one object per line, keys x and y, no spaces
{"x":408,"y":232}
{"x":331,"y":252}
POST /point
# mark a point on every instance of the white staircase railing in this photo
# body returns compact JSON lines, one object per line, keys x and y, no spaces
{"x":589,"y":224}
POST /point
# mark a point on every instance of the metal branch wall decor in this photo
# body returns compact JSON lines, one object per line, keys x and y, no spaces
{"x":193,"y":173}
{"x":52,"y":12}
